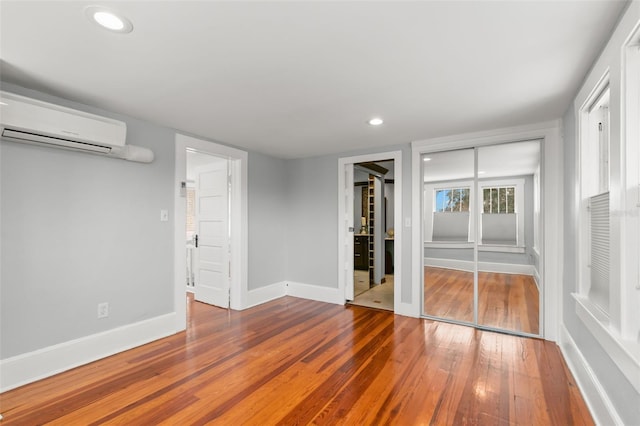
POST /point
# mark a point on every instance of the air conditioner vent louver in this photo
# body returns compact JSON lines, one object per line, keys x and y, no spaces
{"x":48,"y":140}
{"x":30,"y":121}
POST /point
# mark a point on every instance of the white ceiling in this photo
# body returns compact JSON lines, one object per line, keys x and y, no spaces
{"x":295,"y":79}
{"x":512,"y":159}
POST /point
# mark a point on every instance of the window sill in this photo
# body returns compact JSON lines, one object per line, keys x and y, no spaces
{"x":482,"y":247}
{"x":448,"y":244}
{"x":500,"y":248}
{"x":624,"y":353}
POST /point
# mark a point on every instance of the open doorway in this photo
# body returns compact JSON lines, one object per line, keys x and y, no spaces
{"x":387,"y":251}
{"x":235,"y":166}
{"x":373,"y":275}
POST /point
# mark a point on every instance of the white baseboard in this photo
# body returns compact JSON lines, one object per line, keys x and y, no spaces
{"x":29,"y":367}
{"x":265,"y":294}
{"x":536,"y":278}
{"x":314,"y":292}
{"x":462,"y":265}
{"x":600,"y":406}
{"x":467,"y":265}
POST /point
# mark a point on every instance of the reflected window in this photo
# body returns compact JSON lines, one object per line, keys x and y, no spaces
{"x":499,"y":224}
{"x":452,"y":200}
{"x":499,"y":200}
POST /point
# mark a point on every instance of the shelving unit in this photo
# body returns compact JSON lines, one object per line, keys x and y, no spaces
{"x":371,"y":191}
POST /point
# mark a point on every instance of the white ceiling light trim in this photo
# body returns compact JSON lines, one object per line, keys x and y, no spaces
{"x":108,"y":19}
{"x":376,"y":121}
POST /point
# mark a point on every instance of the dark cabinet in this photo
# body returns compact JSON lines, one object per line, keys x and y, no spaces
{"x":361,"y":252}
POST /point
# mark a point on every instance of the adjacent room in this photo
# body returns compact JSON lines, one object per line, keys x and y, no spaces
{"x":312,"y":212}
{"x":373,"y":198}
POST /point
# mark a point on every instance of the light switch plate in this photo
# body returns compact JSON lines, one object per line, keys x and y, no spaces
{"x":164,"y":215}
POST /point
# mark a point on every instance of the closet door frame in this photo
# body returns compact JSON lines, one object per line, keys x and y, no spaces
{"x":550,"y":265}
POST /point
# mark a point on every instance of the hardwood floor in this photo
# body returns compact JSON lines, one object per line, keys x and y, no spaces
{"x":507,"y":301}
{"x":293,"y":362}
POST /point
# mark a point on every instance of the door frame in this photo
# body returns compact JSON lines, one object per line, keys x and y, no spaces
{"x":345,"y":260}
{"x":239,"y":222}
{"x":551,"y":204}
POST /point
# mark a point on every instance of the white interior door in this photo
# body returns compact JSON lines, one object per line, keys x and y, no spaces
{"x":211,"y":254}
{"x":348,"y":223}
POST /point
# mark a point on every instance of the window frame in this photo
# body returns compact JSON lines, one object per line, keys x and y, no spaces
{"x":588,"y":158}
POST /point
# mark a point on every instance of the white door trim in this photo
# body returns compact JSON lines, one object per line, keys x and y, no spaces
{"x":239,"y":224}
{"x":551,"y":205}
{"x":343,"y":258}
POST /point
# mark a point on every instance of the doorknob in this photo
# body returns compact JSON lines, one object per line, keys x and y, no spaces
{"x":196,"y":240}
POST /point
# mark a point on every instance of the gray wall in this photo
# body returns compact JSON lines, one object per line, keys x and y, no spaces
{"x":312,"y":228}
{"x":78,"y":230}
{"x":619,"y":390}
{"x":267,"y":210}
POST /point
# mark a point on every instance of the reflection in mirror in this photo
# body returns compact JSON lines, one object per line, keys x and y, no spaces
{"x":449,"y":234}
{"x":508,"y":242}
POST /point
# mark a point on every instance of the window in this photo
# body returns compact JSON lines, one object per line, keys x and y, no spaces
{"x":595,"y":167}
{"x":598,"y":138}
{"x":502,"y":222}
{"x":499,"y":200}
{"x":451,"y":216}
{"x":447,"y":211}
{"x":452,"y":200}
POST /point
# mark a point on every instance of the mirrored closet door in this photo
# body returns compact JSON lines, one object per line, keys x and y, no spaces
{"x":482,"y":227}
{"x":449,"y":266}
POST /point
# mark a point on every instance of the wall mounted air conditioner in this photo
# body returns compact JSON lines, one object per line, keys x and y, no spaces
{"x":31,"y":121}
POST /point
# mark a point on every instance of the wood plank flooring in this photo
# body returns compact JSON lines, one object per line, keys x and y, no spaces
{"x":294,"y":362}
{"x":506,"y":301}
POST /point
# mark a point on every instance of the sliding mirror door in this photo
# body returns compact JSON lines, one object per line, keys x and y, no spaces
{"x":449,"y":232}
{"x":482,"y":227}
{"x":508,"y":243}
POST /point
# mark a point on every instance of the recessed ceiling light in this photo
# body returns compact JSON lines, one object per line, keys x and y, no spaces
{"x":108,"y":19}
{"x":427,"y":159}
{"x":481,"y":172}
{"x":376,"y":121}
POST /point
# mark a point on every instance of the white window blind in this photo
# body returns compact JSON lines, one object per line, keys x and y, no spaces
{"x":599,"y":221}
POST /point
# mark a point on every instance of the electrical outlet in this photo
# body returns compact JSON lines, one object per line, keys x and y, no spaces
{"x":103,"y":310}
